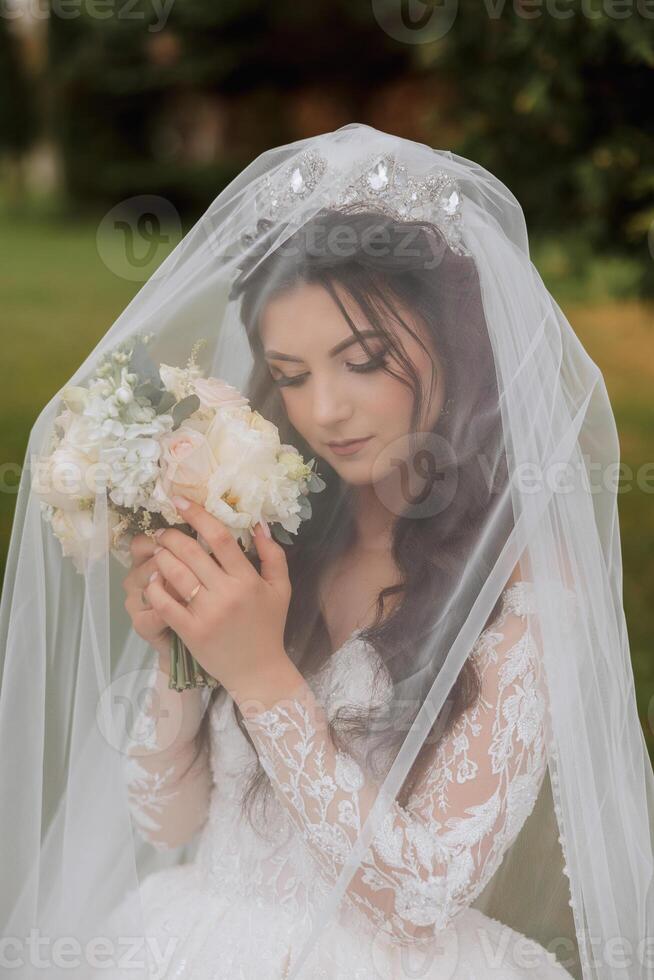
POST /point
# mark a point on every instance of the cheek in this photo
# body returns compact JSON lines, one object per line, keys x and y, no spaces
{"x":390,"y":401}
{"x":296,"y":405}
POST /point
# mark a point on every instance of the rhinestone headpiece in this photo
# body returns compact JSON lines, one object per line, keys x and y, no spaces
{"x":378,"y":183}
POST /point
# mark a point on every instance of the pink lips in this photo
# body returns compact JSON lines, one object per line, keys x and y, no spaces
{"x":346,"y":449}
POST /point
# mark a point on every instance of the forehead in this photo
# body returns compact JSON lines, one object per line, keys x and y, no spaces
{"x":308,"y":315}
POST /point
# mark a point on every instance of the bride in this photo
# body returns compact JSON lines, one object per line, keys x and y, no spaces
{"x":422,"y":757}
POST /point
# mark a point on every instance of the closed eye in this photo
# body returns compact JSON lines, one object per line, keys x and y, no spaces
{"x":375,"y":363}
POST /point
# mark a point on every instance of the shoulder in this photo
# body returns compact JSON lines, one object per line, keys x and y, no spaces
{"x":510,"y":623}
{"x":518,"y":610}
{"x":519,"y":598}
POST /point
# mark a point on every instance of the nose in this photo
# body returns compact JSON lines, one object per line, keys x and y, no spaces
{"x":332,"y":404}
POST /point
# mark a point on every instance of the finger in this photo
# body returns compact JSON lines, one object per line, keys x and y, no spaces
{"x":189,"y":551}
{"x":149,"y":621}
{"x":274,"y":566}
{"x":222,"y":542}
{"x":173,"y":613}
{"x":142,"y":547}
{"x":150,"y":624}
{"x":177,"y":573}
{"x":141,"y":577}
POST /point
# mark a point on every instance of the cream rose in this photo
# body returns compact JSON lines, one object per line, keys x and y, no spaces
{"x":186,"y":464}
{"x":215,"y":394}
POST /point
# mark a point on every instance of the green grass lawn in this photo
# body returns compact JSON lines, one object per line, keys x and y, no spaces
{"x":58,"y":299}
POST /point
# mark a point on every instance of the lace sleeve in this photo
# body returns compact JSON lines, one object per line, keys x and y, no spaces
{"x":431,"y":859}
{"x":168,"y":787}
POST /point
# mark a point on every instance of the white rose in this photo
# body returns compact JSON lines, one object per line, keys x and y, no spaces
{"x":234,"y":442}
{"x":78,"y":430}
{"x":75,"y":397}
{"x":178,"y":381}
{"x":67,"y":477}
{"x":75,"y":531}
{"x":260,"y":424}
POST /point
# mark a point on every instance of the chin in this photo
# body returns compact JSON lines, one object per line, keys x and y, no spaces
{"x":357,"y":476}
{"x":365,"y":481}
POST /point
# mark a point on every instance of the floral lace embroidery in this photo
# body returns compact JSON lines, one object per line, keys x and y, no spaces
{"x":431,"y":859}
{"x":168,"y":793}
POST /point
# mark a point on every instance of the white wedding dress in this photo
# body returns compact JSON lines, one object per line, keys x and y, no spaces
{"x":243,"y":909}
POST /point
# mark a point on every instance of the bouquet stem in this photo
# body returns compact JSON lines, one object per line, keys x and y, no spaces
{"x":185,"y":671}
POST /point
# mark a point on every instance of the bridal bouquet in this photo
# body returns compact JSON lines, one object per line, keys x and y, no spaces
{"x":138,"y":434}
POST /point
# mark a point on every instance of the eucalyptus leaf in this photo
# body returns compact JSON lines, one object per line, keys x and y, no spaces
{"x":150,"y":391}
{"x":166,"y":402}
{"x":315,"y":483}
{"x":305,"y":508}
{"x":141,"y":363}
{"x":184,"y":408}
{"x":281,"y":534}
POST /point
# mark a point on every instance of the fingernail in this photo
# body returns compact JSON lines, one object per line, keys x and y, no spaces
{"x":158,"y":548}
{"x":158,"y":533}
{"x":181,"y":503}
{"x":153,"y":576}
{"x":266,"y":529}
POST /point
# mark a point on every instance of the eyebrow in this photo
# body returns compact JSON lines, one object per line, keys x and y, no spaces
{"x":343,"y":345}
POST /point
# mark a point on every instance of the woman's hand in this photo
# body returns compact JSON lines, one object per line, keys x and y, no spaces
{"x":234,"y":623}
{"x":146,"y":621}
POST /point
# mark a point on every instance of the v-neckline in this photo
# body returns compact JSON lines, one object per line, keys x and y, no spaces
{"x":344,"y":646}
{"x":352,"y":636}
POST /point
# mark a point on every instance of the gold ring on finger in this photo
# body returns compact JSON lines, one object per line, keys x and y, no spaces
{"x":193,"y":594}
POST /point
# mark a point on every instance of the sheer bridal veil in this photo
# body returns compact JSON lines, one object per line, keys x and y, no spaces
{"x":519,"y":470}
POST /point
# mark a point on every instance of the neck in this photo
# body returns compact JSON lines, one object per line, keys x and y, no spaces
{"x":374,"y":522}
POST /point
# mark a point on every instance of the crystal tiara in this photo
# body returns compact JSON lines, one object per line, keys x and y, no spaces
{"x":378,"y":183}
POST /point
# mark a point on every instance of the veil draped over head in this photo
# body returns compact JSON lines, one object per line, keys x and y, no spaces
{"x":510,"y":484}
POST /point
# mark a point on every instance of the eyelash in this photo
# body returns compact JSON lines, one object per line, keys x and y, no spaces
{"x":378,"y":361}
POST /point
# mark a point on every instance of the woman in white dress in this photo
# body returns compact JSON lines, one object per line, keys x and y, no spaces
{"x":400,"y":772}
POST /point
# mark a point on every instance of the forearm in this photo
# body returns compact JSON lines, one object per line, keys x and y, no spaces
{"x":167,"y":769}
{"x":329,"y":797}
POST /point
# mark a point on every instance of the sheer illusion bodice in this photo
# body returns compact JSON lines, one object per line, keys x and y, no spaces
{"x":244,"y":907}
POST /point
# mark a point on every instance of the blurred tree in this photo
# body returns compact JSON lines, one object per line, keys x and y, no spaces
{"x":553,"y":98}
{"x":18,"y":114}
{"x":132,"y":92}
{"x":556,"y":100}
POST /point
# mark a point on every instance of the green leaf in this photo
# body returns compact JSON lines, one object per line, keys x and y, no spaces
{"x":316,"y":483}
{"x":305,"y":508}
{"x":281,"y":534}
{"x":166,"y":402}
{"x":184,"y":408}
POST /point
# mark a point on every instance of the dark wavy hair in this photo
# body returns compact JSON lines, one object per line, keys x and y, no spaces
{"x":442,"y":289}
